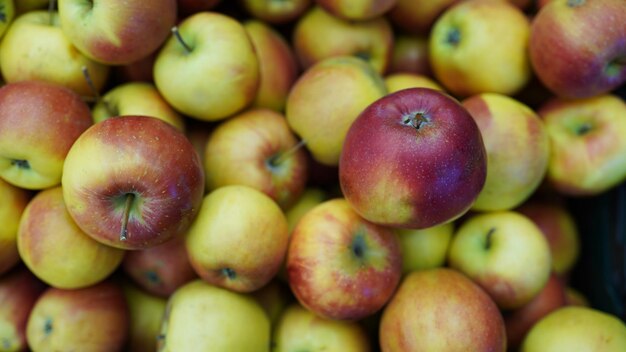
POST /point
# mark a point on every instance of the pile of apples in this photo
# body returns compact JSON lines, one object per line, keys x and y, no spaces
{"x":304,"y":175}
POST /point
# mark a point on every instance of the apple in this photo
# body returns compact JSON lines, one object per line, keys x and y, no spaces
{"x":94,"y":318}
{"x":133,"y":182}
{"x":318,"y":35}
{"x":341,"y":266}
{"x":257,"y":148}
{"x":146,"y":311}
{"x":278,"y":66}
{"x":137,"y":71}
{"x":187,"y":8}
{"x":14,"y":201}
{"x":410,"y":54}
{"x":39,"y":122}
{"x":359,"y":10}
{"x":577,"y":47}
{"x":426,"y":248}
{"x":204,"y":317}
{"x":518,"y":150}
{"x":161,"y":269}
{"x":35,"y":48}
{"x":326,"y":99}
{"x":441,"y":310}
{"x":465,"y":32}
{"x":47,"y":233}
{"x":7,"y":13}
{"x":117,"y":32}
{"x":413,"y":159}
{"x":19,"y":290}
{"x":274,"y":297}
{"x":311,"y":197}
{"x":576,"y":329}
{"x":136,"y":98}
{"x":276,"y":12}
{"x":239,"y":238}
{"x":209,"y":69}
{"x":505,"y":253}
{"x":299,"y":329}
{"x":418,"y":16}
{"x":403,"y":80}
{"x":588,"y":153}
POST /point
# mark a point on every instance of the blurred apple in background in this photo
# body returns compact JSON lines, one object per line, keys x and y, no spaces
{"x":39,"y":122}
{"x":257,"y":148}
{"x":466,"y":31}
{"x":212,"y":71}
{"x":276,"y":12}
{"x":505,"y":253}
{"x":47,"y":234}
{"x":319,"y":35}
{"x":410,"y":55}
{"x":413,"y":159}
{"x":146,"y":312}
{"x":426,"y":248}
{"x":576,"y":298}
{"x":203,"y":317}
{"x":19,"y":290}
{"x":7,"y":14}
{"x":36,"y":48}
{"x":14,"y":201}
{"x":359,"y":10}
{"x":93,"y":318}
{"x":141,"y":70}
{"x":299,"y":329}
{"x":239,"y":238}
{"x":133,"y":182}
{"x":403,"y":80}
{"x":341,"y":266}
{"x":274,"y":298}
{"x":588,"y":151}
{"x":577,"y":48}
{"x":326,"y":99}
{"x":311,"y":197}
{"x":518,"y":150}
{"x":418,"y":16}
{"x":22,"y":6}
{"x":441,"y":310}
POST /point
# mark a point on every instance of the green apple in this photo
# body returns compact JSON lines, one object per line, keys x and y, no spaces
{"x":14,"y":201}
{"x":426,"y":248}
{"x":311,"y":197}
{"x":146,"y":312}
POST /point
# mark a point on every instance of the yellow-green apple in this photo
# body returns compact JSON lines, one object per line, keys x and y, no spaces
{"x":403,"y":80}
{"x":136,"y":98}
{"x":39,"y":122}
{"x":203,"y":317}
{"x":518,"y":150}
{"x":14,"y":201}
{"x":577,"y":48}
{"x":7,"y":13}
{"x":413,"y":159}
{"x":257,"y":148}
{"x":440,"y":309}
{"x":426,"y":248}
{"x":557,"y":223}
{"x":209,"y":69}
{"x":47,"y":234}
{"x":278,"y":66}
{"x":418,"y":16}
{"x":519,"y":321}
{"x":276,"y":12}
{"x":117,"y":32}
{"x":576,"y":329}
{"x":326,"y":99}
{"x":35,"y":48}
{"x":339,"y":265}
{"x":505,"y":253}
{"x":576,"y":298}
{"x":410,"y":54}
{"x":161,"y":269}
{"x":90,"y":319}
{"x":146,"y":311}
{"x":466,"y":31}
{"x":19,"y":290}
{"x":186,"y":8}
{"x":319,"y":35}
{"x":588,"y":153}
{"x":274,"y":298}
{"x":133,"y":182}
{"x":299,"y":329}
{"x":239,"y":238}
{"x":359,"y":10}
{"x":311,"y":197}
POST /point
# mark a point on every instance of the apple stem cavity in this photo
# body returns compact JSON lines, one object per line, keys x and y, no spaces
{"x":20,"y":163}
{"x":47,"y":326}
{"x":416,"y":120}
{"x":489,"y":238}
{"x":583,"y":129}
{"x":229,"y":273}
{"x":277,"y":159}
{"x":178,"y":37}
{"x":453,"y":37}
{"x":130,"y":197}
{"x":358,"y":246}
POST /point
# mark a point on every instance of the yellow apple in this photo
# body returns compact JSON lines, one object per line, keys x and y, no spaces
{"x":14,"y":201}
{"x":7,"y":13}
{"x":146,"y":312}
{"x":426,"y":248}
{"x":403,"y":80}
{"x":357,"y":10}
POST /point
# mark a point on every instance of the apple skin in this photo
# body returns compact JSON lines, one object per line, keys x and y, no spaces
{"x":117,"y":32}
{"x":89,"y":319}
{"x":410,"y":55}
{"x":8,"y":12}
{"x":39,"y":122}
{"x":359,"y":10}
{"x":426,"y":248}
{"x":588,"y":151}
{"x":418,"y":16}
{"x":146,"y":312}
{"x":276,"y":12}
{"x":19,"y":290}
{"x":395,"y":174}
{"x":441,"y":309}
{"x":341,"y":266}
{"x":246,"y":150}
{"x":47,"y":233}
{"x":14,"y":201}
{"x":139,"y":157}
{"x":577,"y":48}
{"x":403,"y":80}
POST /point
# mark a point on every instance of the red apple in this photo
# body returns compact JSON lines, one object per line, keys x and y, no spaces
{"x":413,"y":159}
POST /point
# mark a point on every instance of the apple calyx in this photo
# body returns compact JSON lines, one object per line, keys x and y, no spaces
{"x":615,"y":66}
{"x":363,"y":55}
{"x":489,"y":238}
{"x":583,"y":129}
{"x":358,"y":246}
{"x":21,"y":163}
{"x":178,"y":37}
{"x":130,"y":197}
{"x":229,"y":273}
{"x":47,"y":326}
{"x":453,"y":36}
{"x":416,"y":120}
{"x":277,"y":159}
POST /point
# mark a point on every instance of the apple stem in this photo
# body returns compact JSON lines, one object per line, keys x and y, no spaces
{"x":51,"y":7}
{"x":278,"y":159}
{"x":130,"y":197}
{"x":95,"y":92}
{"x":176,"y":34}
{"x":489,"y":237}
